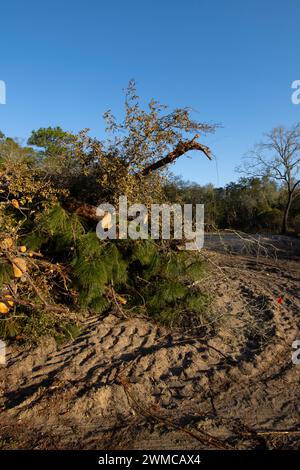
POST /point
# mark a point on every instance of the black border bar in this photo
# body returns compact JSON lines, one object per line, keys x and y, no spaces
{"x":137,"y":458}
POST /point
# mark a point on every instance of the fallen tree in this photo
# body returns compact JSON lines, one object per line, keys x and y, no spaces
{"x":49,"y":192}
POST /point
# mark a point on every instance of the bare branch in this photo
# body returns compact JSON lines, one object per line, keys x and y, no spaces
{"x":179,"y":150}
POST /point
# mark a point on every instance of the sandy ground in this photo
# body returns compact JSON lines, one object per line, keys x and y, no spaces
{"x":128,"y":383}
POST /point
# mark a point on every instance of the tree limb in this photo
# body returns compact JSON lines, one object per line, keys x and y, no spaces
{"x":180,"y":149}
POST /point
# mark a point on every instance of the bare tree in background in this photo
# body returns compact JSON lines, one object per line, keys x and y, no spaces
{"x":278,"y":157}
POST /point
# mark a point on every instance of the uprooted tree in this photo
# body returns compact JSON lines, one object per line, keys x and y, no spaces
{"x":129,"y":162}
{"x":51,"y":262}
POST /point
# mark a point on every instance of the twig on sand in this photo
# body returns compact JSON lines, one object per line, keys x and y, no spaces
{"x":199,"y":435}
{"x":271,"y":433}
{"x":118,"y":308}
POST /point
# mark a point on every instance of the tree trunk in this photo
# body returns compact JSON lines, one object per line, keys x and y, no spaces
{"x":286,"y":214}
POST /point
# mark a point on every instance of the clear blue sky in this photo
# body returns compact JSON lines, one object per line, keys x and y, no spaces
{"x":65,"y":62}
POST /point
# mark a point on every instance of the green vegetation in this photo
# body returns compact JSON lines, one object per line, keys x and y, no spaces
{"x":53,"y":268}
{"x":250,"y":205}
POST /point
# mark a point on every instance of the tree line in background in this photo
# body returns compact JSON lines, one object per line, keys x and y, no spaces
{"x":266,"y":198}
{"x":250,"y":205}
